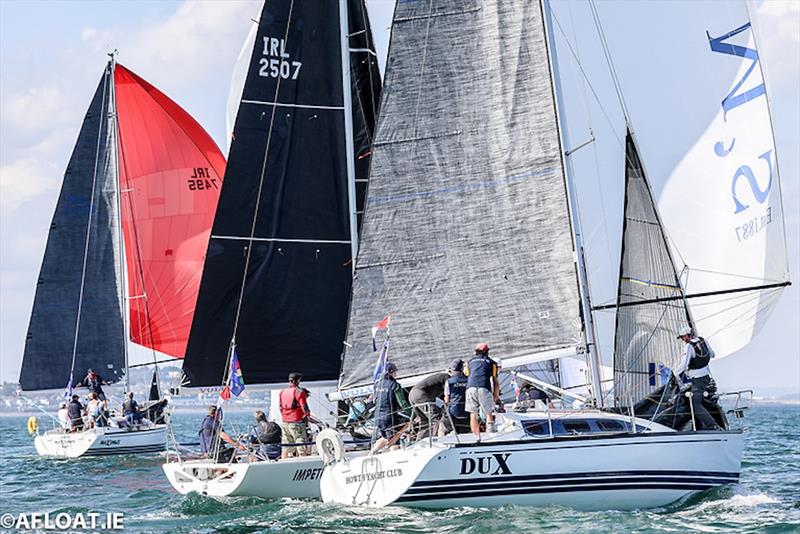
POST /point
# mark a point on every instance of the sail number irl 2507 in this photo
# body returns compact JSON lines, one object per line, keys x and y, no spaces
{"x":201,"y":180}
{"x":277,"y":61}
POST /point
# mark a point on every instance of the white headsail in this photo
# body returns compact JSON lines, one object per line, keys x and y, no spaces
{"x":722,"y":202}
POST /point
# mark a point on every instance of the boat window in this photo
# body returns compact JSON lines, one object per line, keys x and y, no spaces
{"x":536,"y":428}
{"x":576,"y":426}
{"x":611,"y":425}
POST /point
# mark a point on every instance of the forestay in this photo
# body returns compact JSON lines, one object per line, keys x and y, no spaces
{"x":722,"y":203}
{"x":650,"y":304}
{"x":467,"y":234}
{"x":78,"y":303}
{"x":285,"y":202}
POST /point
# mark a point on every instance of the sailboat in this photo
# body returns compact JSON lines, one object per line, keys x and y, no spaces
{"x":276,"y":282}
{"x":123,"y":254}
{"x":471,"y":233}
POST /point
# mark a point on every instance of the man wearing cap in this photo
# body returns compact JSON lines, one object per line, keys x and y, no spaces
{"x":455,"y":397}
{"x":694,"y":364}
{"x":483,"y":389}
{"x":390,"y":401}
{"x":293,"y":402}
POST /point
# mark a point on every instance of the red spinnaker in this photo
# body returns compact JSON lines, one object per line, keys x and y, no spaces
{"x":170,"y":176}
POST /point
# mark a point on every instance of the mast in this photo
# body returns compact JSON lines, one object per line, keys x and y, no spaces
{"x":589,"y":332}
{"x":123,"y":271}
{"x":344,"y":26}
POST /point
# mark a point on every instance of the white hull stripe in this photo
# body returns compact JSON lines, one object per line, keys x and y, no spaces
{"x":284,"y":105}
{"x":280,"y":240}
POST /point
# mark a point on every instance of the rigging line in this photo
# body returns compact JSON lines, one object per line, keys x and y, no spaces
{"x":617,"y":137}
{"x":747,"y":314}
{"x":732,"y":275}
{"x":422,"y":65}
{"x":754,"y":297}
{"x":103,"y":116}
{"x":604,"y":226}
{"x":609,"y":62}
{"x":257,"y":206}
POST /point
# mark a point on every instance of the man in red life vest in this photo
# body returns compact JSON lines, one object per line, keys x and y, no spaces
{"x":295,"y":413}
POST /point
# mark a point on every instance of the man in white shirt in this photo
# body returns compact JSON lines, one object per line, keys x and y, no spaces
{"x":63,"y":417}
{"x":694,"y":365}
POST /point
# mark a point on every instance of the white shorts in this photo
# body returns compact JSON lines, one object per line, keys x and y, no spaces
{"x":478,"y":398}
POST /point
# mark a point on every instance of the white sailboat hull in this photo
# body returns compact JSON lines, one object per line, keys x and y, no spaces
{"x":104,"y":441}
{"x":292,"y":477}
{"x":622,"y":471}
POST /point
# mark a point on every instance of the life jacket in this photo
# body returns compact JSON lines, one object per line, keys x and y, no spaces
{"x":386,"y":398}
{"x":481,"y":370}
{"x":457,"y":385}
{"x":702,"y":355}
{"x":291,"y":409}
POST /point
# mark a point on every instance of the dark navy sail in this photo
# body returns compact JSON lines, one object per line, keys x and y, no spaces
{"x":78,"y":292}
{"x":645,"y":336}
{"x":287,"y":183}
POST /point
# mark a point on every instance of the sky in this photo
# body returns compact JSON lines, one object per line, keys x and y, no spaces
{"x":52,"y":55}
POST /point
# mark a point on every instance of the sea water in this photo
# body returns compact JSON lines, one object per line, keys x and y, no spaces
{"x":767,"y":499}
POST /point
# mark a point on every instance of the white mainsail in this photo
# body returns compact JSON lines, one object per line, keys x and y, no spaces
{"x":722,"y":202}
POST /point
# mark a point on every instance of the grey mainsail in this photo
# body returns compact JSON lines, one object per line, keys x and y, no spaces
{"x":78,"y":302}
{"x":645,"y":335}
{"x":466,"y":235}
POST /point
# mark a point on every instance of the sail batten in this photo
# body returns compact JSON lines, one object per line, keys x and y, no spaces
{"x":466,"y":234}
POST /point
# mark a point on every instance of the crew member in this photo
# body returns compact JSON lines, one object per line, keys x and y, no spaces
{"x":93,"y":382}
{"x":483,"y":389}
{"x":296,"y":414}
{"x":130,"y":409}
{"x":267,"y":436}
{"x":694,"y":365}
{"x":75,"y":412}
{"x":392,"y":409}
{"x":455,"y":396}
{"x":209,"y":428}
{"x":63,"y":416}
{"x":423,"y":395}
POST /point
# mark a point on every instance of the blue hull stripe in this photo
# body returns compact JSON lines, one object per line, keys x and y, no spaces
{"x":125,"y":450}
{"x":682,"y":475}
{"x":505,"y":492}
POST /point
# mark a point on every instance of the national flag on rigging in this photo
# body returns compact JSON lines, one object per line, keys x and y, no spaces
{"x":383,"y":324}
{"x":380,"y":365}
{"x":68,"y":389}
{"x":236,"y":382}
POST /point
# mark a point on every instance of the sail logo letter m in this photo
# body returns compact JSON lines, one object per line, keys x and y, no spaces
{"x":719,"y":44}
